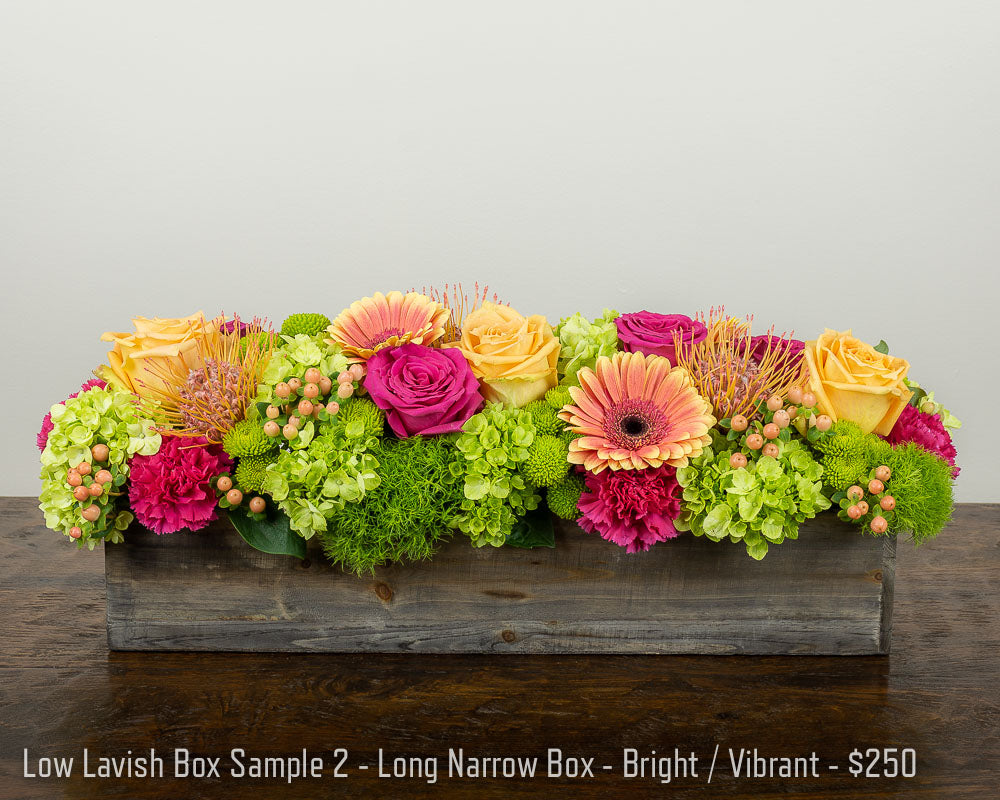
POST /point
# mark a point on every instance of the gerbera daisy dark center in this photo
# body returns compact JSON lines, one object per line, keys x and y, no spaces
{"x":632,"y":424}
{"x":383,"y":336}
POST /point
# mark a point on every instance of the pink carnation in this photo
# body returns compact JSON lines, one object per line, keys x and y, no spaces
{"x":43,"y":435}
{"x":925,"y":430}
{"x":634,"y":509}
{"x":172,"y":490}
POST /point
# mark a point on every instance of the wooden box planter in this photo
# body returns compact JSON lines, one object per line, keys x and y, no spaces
{"x":829,"y":592}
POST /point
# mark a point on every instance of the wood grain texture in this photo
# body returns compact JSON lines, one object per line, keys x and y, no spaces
{"x":829,"y":592}
{"x":61,"y":689}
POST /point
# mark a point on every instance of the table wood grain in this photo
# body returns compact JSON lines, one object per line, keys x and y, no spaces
{"x":61,"y":690}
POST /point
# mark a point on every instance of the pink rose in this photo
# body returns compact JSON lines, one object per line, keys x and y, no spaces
{"x":654,"y":334}
{"x":423,"y":390}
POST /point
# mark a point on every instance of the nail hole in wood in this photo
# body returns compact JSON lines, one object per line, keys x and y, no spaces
{"x":508,"y":636}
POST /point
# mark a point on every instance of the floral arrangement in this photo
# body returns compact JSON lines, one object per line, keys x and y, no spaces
{"x":413,"y":417}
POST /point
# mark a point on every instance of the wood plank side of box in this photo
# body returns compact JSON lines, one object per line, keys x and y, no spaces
{"x":829,"y":592}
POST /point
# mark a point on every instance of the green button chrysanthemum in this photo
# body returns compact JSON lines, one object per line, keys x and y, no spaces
{"x":564,"y":496}
{"x":544,"y":418}
{"x":250,"y":471}
{"x":247,"y":438}
{"x":546,"y":464}
{"x":309,"y":324}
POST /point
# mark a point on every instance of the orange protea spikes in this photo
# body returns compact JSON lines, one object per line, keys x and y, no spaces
{"x":634,"y":411}
{"x":387,"y":320}
{"x":734,"y":374}
{"x":459,"y":305}
{"x":212,"y":397}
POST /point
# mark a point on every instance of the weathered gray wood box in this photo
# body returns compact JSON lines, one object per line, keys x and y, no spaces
{"x":829,"y":592}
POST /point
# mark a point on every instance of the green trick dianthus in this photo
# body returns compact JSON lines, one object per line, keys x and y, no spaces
{"x":309,"y":324}
{"x":565,"y":495}
{"x":922,"y":485}
{"x":406,"y":516}
{"x":546,"y":464}
{"x":247,"y":438}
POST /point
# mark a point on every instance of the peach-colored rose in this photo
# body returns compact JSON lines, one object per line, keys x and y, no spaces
{"x":158,"y":349}
{"x":514,"y":357}
{"x":853,"y":381}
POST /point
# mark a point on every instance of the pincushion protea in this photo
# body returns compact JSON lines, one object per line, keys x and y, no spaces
{"x":387,"y":320}
{"x":635,"y":411}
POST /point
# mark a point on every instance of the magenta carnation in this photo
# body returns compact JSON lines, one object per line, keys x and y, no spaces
{"x":172,"y":490}
{"x":927,"y":431}
{"x":423,"y":390}
{"x":633,"y":508}
{"x":655,"y":334}
{"x":43,"y":435}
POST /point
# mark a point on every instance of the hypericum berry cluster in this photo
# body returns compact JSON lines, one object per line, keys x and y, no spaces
{"x":231,"y":496}
{"x":875,"y":515}
{"x":93,"y":488}
{"x":314,"y":395}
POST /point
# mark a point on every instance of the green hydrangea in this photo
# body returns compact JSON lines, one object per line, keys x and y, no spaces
{"x":312,"y":484}
{"x":247,"y":438}
{"x":406,"y":516}
{"x":363,"y":410}
{"x":292,"y":356}
{"x":848,"y":455}
{"x":96,"y":416}
{"x":582,"y":342}
{"x":488,"y":464}
{"x":543,"y":417}
{"x":761,"y":504}
{"x":252,"y":469}
{"x":546,"y":464}
{"x":305,"y":325}
{"x":563,"y":498}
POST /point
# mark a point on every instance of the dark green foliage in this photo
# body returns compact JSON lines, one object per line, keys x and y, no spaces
{"x":406,"y":516}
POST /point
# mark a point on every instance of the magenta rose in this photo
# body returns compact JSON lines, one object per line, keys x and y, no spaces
{"x":655,"y":334}
{"x":789,"y":350}
{"x":423,"y":390}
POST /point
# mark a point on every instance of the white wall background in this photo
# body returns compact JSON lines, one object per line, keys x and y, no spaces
{"x":818,"y":164}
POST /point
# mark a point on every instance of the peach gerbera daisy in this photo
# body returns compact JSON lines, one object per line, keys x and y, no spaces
{"x":386,"y":321}
{"x":636,"y":411}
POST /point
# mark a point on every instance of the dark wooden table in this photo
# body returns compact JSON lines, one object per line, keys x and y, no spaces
{"x":939,"y":693}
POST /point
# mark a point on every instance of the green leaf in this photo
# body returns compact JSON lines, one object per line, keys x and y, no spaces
{"x":882,"y":347}
{"x":273,"y":534}
{"x":532,"y":530}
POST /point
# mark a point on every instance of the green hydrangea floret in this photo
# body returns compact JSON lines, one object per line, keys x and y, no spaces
{"x":582,"y":342}
{"x":314,"y":483}
{"x":292,"y":356}
{"x":760,"y":504}
{"x":97,"y":416}
{"x":488,"y":465}
{"x":305,"y":325}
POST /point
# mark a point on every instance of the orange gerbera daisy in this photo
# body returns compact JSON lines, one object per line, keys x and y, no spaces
{"x":636,"y":411}
{"x":387,"y":320}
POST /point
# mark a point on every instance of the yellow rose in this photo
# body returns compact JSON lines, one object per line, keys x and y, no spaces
{"x":159,"y":349}
{"x":853,"y":381}
{"x":514,"y":357}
